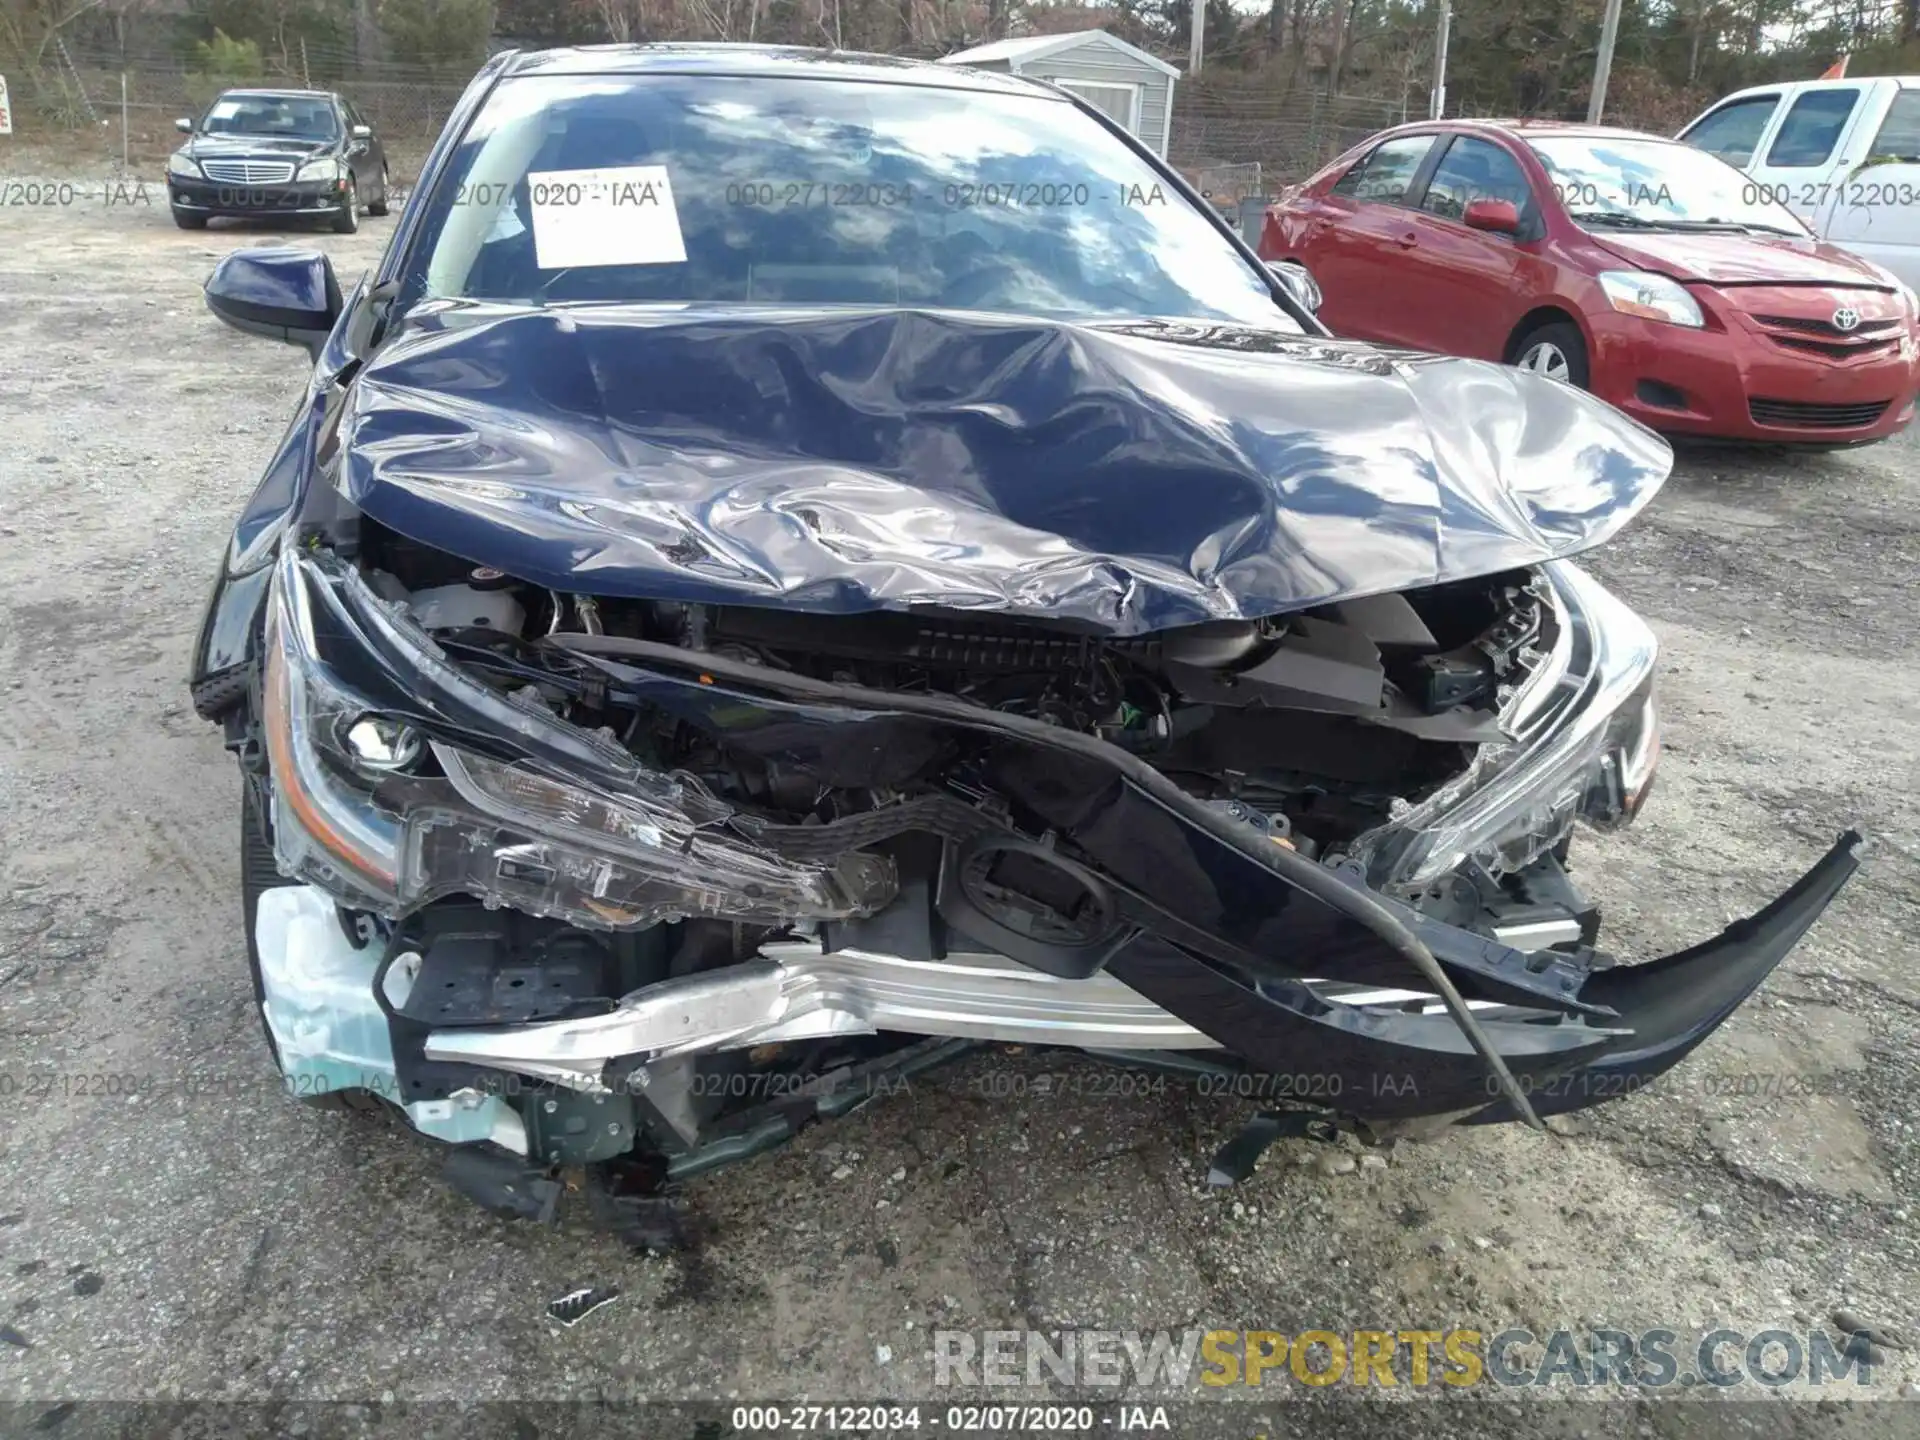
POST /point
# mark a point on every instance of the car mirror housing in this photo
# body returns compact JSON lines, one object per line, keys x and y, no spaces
{"x":1499,"y":216}
{"x":281,"y":292}
{"x":183,"y":125}
{"x":1300,"y":286}
{"x":362,"y":132}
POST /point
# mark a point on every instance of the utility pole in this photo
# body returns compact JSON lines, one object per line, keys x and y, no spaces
{"x":1198,"y":41}
{"x":1603,"y":64}
{"x":1437,"y":96}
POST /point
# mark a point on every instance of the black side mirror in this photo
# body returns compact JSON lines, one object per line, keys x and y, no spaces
{"x":183,"y":125}
{"x":279,"y":291}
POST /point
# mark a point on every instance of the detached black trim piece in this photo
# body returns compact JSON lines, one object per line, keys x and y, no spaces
{"x":1136,"y":858}
{"x":1670,"y":1005}
{"x":1376,"y":1067}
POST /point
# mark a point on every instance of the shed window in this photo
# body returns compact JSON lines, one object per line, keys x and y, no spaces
{"x":1119,"y":101}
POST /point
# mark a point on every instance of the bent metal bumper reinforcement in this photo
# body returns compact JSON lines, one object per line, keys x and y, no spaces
{"x":797,"y":992}
{"x":1662,"y":1009}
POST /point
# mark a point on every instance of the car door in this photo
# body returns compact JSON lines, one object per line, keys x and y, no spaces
{"x":1734,"y":130}
{"x":360,"y":153}
{"x":1873,"y":207}
{"x":1356,"y":235}
{"x":376,"y":152}
{"x":1467,"y":288}
{"x":1802,"y":156}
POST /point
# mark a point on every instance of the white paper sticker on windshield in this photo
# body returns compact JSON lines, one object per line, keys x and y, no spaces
{"x":618,"y":216}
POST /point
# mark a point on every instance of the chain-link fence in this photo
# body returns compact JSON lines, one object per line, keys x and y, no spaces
{"x":1238,"y":136}
{"x":121,"y":110}
{"x":1235,"y":123}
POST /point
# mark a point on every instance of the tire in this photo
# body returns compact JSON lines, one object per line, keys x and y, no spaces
{"x":347,"y":221}
{"x":379,"y":207}
{"x":187,"y":220}
{"x":1556,"y":350}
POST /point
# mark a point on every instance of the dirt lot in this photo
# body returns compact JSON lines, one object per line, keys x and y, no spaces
{"x":208,"y":1238}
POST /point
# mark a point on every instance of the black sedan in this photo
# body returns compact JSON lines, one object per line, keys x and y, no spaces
{"x":275,"y":153}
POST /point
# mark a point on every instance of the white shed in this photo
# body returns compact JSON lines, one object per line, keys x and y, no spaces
{"x":1126,"y":82}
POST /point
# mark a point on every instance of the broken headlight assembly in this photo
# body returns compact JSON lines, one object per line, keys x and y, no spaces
{"x":387,"y":811}
{"x":1587,"y":749}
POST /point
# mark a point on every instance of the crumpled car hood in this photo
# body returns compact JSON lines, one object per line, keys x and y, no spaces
{"x":1130,"y":476}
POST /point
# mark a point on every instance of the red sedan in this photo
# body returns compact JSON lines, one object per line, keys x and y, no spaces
{"x":1649,"y":272}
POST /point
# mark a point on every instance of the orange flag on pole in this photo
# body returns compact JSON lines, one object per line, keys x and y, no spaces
{"x":1835,"y":71}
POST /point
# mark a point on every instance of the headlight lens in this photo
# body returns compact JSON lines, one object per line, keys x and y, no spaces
{"x":179,"y":164}
{"x":325,"y":168}
{"x":550,"y":847}
{"x":1594,"y":760}
{"x":379,"y":746}
{"x":1651,"y":297}
{"x":326,"y":828}
{"x":606,"y":853}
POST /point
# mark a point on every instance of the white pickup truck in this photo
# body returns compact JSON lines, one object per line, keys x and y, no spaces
{"x":1843,"y":155}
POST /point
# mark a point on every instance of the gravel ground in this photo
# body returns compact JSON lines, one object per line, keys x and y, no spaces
{"x":210,"y":1239}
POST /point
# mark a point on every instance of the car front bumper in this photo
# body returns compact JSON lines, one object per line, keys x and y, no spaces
{"x":1235,"y":955}
{"x":1738,"y":384}
{"x":212,"y":197}
{"x":1377,"y":1063}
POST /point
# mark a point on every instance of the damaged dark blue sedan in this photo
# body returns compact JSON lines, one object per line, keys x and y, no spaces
{"x":796,"y":566}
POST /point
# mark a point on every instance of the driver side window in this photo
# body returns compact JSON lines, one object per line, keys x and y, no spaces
{"x":1733,"y":131}
{"x":1476,"y":170}
{"x":1386,"y":174}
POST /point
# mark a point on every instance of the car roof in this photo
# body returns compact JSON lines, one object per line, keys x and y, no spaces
{"x":1524,"y":129}
{"x":254,"y":92}
{"x":330,"y":97}
{"x":766,"y":61}
{"x":1845,"y":82}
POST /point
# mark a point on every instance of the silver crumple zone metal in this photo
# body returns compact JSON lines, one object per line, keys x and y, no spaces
{"x":695,"y":1012}
{"x":798,"y":992}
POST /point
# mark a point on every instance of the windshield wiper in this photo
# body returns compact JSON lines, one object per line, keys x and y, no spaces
{"x":1641,"y":222}
{"x":1611,"y":217}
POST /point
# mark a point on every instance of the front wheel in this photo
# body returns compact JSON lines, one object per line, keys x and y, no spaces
{"x":347,"y":220}
{"x":1557,"y":351}
{"x":187,"y":220}
{"x":379,"y":207}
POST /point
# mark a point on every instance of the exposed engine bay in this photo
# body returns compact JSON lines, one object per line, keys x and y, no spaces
{"x":1316,"y":725}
